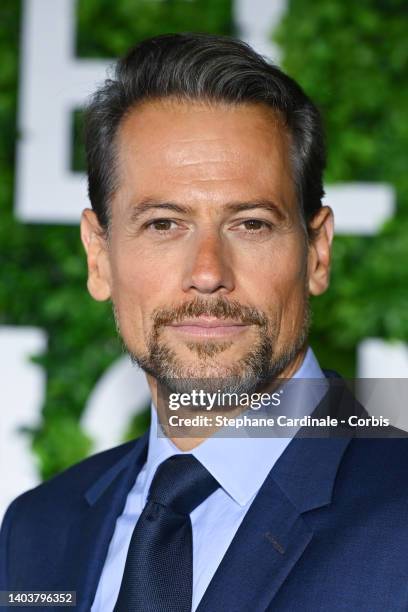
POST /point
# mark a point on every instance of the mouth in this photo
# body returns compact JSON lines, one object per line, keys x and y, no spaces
{"x":209,"y":327}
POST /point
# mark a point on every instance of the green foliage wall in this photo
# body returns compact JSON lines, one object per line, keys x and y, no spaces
{"x":352,"y":58}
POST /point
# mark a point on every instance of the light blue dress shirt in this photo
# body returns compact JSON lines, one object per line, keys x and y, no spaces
{"x":240,"y":464}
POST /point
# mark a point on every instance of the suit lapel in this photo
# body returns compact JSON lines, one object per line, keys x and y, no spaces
{"x":90,"y":534}
{"x":268,"y":543}
{"x":273,"y":534}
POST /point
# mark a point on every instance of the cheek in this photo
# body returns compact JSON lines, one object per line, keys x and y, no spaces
{"x":293,"y":278}
{"x":276,"y":279}
{"x":133,"y":273}
{"x":277,"y":284}
{"x":137,"y":288}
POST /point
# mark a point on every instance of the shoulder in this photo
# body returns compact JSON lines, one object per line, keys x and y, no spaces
{"x":64,"y":490}
{"x":51,"y":507}
{"x":380,"y":464}
{"x":382,"y":451}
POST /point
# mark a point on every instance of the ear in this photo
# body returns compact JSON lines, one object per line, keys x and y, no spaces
{"x":95,"y":244}
{"x":322,"y":229}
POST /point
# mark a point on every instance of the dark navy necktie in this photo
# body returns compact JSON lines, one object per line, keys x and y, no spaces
{"x":158,"y":574}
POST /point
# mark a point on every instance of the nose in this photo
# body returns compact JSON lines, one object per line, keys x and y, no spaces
{"x":208,"y":266}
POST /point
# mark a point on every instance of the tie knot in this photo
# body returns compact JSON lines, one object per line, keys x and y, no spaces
{"x":181,"y":483}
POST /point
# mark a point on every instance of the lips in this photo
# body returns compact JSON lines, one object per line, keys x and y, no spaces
{"x":209,"y":327}
{"x":207,"y":322}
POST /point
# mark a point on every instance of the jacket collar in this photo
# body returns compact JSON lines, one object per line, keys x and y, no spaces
{"x":131,"y":462}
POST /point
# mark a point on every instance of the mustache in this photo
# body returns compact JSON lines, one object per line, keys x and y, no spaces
{"x":219,"y":308}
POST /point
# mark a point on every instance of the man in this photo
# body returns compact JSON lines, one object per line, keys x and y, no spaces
{"x":208,"y":234}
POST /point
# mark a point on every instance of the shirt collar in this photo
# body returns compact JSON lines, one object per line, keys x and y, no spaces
{"x":239,"y":464}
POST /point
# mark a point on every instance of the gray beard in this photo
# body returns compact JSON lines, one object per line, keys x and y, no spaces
{"x":250,"y":374}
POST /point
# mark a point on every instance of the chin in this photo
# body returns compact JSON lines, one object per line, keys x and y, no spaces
{"x":205,"y":372}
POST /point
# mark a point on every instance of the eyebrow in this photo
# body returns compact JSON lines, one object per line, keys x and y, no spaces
{"x":147,"y":205}
{"x":254,"y":204}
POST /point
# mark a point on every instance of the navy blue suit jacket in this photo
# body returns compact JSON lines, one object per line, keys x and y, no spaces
{"x":328,"y":530}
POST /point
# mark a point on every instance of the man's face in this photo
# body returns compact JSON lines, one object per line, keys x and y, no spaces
{"x":208,"y":264}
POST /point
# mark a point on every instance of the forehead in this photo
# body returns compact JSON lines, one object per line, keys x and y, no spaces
{"x":213,"y":150}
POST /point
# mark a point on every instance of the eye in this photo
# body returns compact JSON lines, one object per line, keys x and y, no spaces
{"x":160,"y":225}
{"x":255,"y":225}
